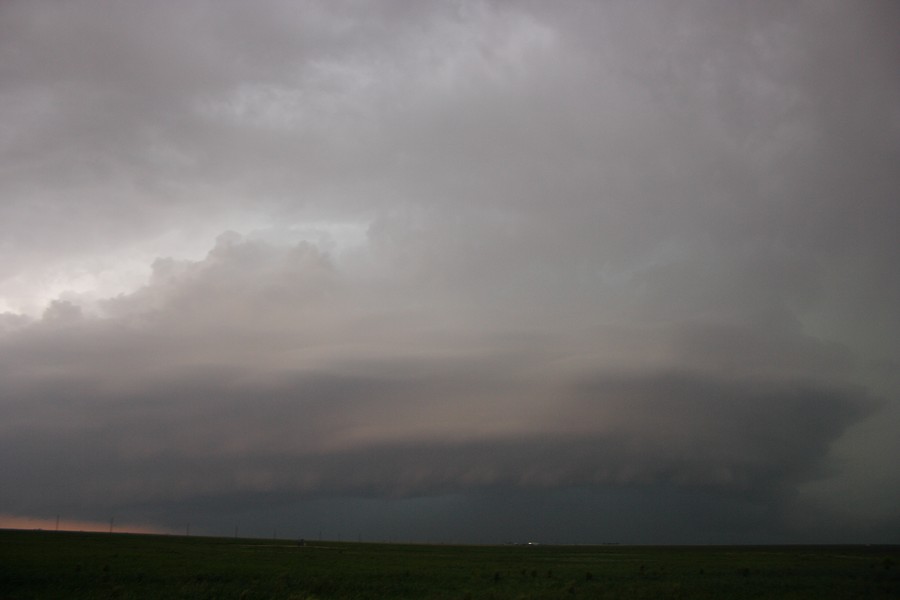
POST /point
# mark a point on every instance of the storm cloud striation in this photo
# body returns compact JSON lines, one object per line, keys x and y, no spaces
{"x":469,"y":271}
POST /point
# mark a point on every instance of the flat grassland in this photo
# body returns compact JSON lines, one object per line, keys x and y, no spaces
{"x":41,"y":564}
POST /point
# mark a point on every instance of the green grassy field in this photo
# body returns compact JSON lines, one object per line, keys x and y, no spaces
{"x":35,"y":564}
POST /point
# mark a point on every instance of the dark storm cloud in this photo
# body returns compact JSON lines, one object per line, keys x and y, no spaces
{"x":217,"y":430}
{"x":200,"y":387}
{"x":478,"y":248}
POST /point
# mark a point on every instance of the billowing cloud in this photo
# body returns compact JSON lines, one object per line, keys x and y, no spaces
{"x":436,"y":255}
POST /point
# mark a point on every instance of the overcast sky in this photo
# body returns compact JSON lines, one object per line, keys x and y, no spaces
{"x":452,"y":271}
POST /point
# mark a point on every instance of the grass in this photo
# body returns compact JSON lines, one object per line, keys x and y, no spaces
{"x":36,"y":564}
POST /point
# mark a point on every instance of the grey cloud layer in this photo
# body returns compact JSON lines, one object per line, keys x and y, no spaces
{"x":606,"y":244}
{"x":258,"y":371}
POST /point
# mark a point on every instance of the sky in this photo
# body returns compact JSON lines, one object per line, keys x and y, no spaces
{"x":456,"y":271}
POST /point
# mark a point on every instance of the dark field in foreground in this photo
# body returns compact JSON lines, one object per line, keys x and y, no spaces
{"x":36,"y":564}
